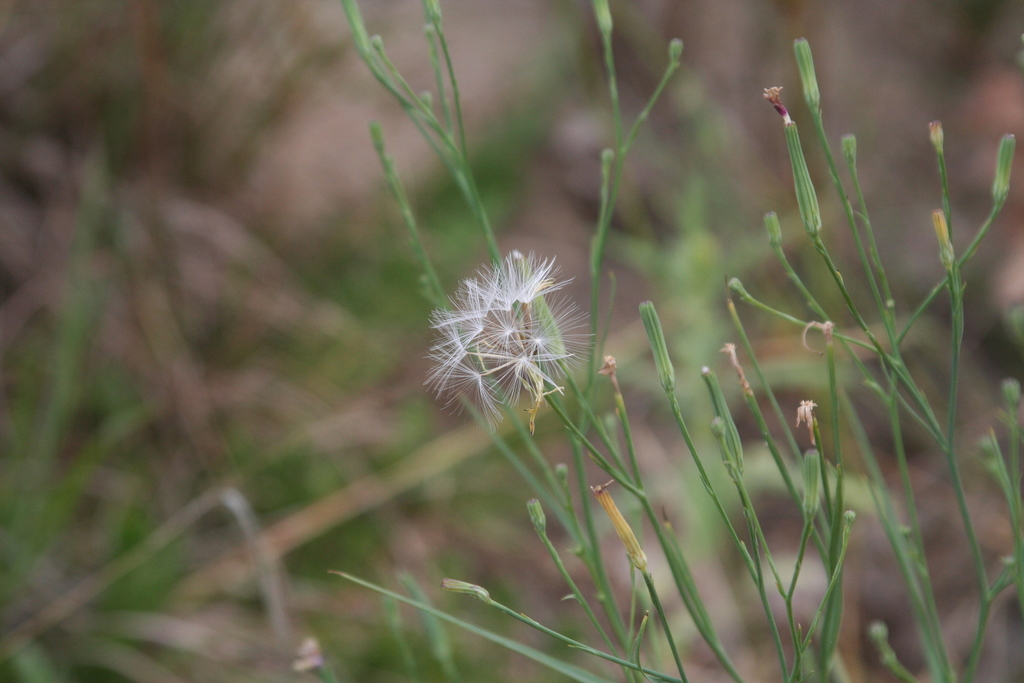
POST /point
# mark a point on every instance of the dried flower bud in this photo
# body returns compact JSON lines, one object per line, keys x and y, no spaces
{"x":805,"y":413}
{"x":773,"y":95}
{"x":636,"y":554}
{"x":730,"y":350}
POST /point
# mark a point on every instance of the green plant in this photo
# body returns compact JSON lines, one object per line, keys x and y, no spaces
{"x":815,"y":479}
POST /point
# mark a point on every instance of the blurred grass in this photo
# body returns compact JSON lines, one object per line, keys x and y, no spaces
{"x":171,"y":326}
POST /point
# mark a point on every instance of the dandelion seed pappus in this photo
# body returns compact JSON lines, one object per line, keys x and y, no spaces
{"x":505,"y":334}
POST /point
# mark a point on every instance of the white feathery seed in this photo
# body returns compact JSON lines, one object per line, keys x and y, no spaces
{"x":504,"y":335}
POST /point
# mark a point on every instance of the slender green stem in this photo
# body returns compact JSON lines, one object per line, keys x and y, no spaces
{"x":575,"y":644}
{"x":946,"y":210}
{"x":431,"y":30}
{"x":979,"y":638}
{"x":835,"y":579}
{"x":706,"y":481}
{"x":910,"y":505}
{"x":688,"y":589}
{"x":435,"y":292}
{"x":591,"y":550}
{"x":837,"y":183}
{"x":872,"y":246}
{"x":921,"y":597}
{"x":1013,"y":496}
{"x":575,"y":590}
{"x":826,"y":488}
{"x":759,"y":548}
{"x":677,"y":563}
{"x":589,"y":417}
{"x":585,"y":648}
{"x":834,"y":609}
{"x":866,"y":264}
{"x":664,"y":623}
{"x":456,"y":98}
{"x":794,"y":631}
{"x":596,"y":455}
{"x":394,"y":619}
{"x":766,"y":387}
{"x":326,"y":674}
{"x":745,"y":296}
{"x":961,"y":261}
{"x":613,"y":167}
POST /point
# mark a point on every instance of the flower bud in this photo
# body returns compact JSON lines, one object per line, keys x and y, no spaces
{"x":432,"y":8}
{"x":562,"y":474}
{"x":656,"y":336}
{"x":808,"y":79}
{"x":456,"y":586}
{"x":607,"y":157}
{"x":537,"y":516}
{"x":935,"y":135}
{"x":812,"y":481}
{"x":850,"y":149}
{"x":806,"y":198}
{"x":718,"y":428}
{"x":675,"y":49}
{"x":771,"y":222}
{"x":737,"y":286}
{"x":1001,"y":184}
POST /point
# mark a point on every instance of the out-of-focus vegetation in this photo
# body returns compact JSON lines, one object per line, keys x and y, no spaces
{"x":212,"y":332}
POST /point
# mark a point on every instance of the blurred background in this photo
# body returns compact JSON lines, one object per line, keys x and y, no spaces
{"x":213,"y":336}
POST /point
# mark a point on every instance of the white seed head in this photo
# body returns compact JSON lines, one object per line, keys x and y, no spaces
{"x":505,"y":334}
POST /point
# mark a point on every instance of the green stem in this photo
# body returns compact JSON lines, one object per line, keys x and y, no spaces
{"x":574,"y":644}
{"x":961,"y":261}
{"x":575,"y":589}
{"x":664,"y":623}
